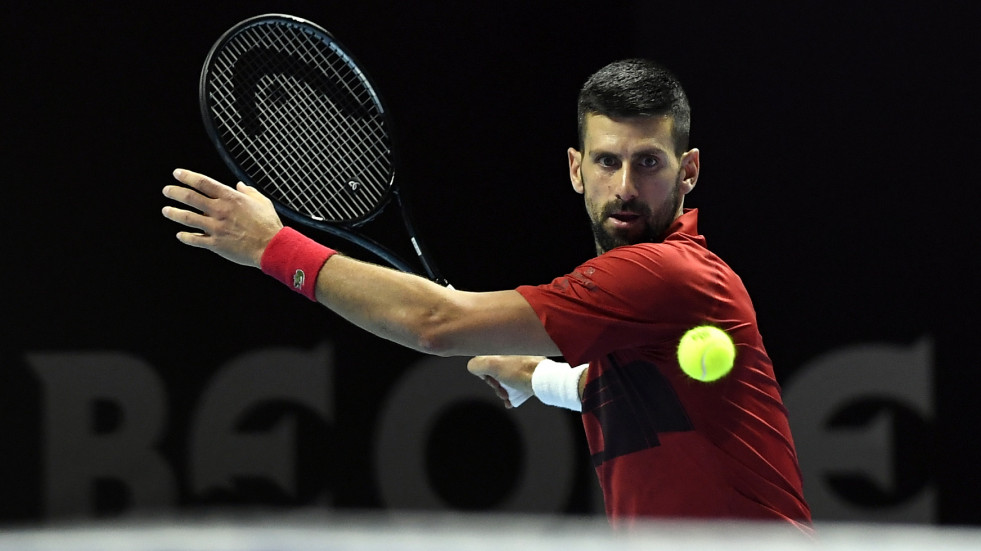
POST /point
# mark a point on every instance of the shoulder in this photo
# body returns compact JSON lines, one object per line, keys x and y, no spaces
{"x":665,"y":259}
{"x":637,"y":274}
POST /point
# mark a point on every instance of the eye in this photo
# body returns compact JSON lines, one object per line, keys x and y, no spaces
{"x":607,"y":161}
{"x":649,"y":161}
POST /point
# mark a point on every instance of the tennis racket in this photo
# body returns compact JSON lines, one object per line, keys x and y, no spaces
{"x":294,"y":115}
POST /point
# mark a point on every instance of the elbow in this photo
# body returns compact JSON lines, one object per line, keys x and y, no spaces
{"x":437,"y":326}
{"x":436,"y":332}
{"x":435,"y":341}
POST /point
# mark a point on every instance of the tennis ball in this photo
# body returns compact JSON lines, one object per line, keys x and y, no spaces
{"x":706,"y":353}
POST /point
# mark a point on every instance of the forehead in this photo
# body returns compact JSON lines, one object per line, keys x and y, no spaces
{"x":602,"y":132}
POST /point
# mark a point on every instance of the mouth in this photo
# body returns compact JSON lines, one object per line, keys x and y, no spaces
{"x":624,"y":219}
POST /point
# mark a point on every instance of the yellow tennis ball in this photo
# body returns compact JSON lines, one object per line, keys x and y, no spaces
{"x":706,"y":353}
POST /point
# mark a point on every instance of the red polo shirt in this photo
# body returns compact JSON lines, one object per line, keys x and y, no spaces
{"x":663,"y":444}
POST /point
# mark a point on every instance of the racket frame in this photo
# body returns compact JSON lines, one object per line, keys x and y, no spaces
{"x":343,"y":230}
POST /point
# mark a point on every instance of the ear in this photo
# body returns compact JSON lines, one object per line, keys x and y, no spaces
{"x":690,"y":166}
{"x":575,"y":170}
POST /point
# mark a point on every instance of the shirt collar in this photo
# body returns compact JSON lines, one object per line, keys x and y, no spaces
{"x":686,"y":224}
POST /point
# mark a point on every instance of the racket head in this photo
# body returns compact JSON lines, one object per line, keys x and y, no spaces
{"x":292,"y":113}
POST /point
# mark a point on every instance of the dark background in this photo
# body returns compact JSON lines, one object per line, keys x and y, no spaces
{"x":837,"y":141}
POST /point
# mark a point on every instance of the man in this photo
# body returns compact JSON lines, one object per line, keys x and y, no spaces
{"x":663,"y":445}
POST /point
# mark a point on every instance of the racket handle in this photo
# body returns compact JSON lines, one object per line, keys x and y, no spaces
{"x":426,"y":264}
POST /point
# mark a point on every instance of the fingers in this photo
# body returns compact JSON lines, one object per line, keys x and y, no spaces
{"x":494,"y":384}
{"x":189,"y":197}
{"x":484,"y":365}
{"x":200,"y":198}
{"x":235,"y":223}
{"x":206,"y":185}
{"x":516,"y":396}
{"x":191,"y":219}
{"x":198,"y":240}
{"x":503,"y":374}
{"x":200,"y":193}
{"x":499,"y":390}
{"x":188,"y":218}
{"x":475,"y":367}
{"x":206,"y":194}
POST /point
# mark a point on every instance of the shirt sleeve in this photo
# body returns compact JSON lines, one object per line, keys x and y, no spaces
{"x":630,"y":297}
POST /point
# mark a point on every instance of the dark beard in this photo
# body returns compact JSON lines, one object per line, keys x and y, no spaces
{"x":657,"y":223}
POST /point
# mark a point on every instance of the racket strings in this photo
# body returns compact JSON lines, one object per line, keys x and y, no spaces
{"x":312,"y":132}
{"x":314,"y":165}
{"x":305,"y":121}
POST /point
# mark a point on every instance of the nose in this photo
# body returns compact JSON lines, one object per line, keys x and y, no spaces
{"x":626,"y":189}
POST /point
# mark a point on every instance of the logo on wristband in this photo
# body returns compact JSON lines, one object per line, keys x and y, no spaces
{"x":298,"y":279}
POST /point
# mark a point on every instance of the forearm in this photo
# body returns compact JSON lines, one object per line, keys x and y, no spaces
{"x":425,"y":316}
{"x":403,"y":308}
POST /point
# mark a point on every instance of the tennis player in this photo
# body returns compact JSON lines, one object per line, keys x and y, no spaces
{"x":663,"y":445}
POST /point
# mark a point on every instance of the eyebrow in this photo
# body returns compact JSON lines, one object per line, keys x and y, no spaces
{"x":645,"y":151}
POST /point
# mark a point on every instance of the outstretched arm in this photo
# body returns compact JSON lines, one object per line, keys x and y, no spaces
{"x":239,"y":223}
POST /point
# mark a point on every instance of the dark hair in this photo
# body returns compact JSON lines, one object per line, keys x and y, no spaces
{"x":636,"y":88}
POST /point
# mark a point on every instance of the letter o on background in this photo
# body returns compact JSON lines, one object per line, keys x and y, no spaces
{"x":411,"y":411}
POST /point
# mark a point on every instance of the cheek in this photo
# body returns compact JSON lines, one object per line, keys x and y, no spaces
{"x":594,"y":205}
{"x":660,"y":191}
{"x":597,"y":194}
{"x":600,"y":188}
{"x":593,"y":190}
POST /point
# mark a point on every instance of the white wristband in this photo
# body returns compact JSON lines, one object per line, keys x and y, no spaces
{"x":557,"y":384}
